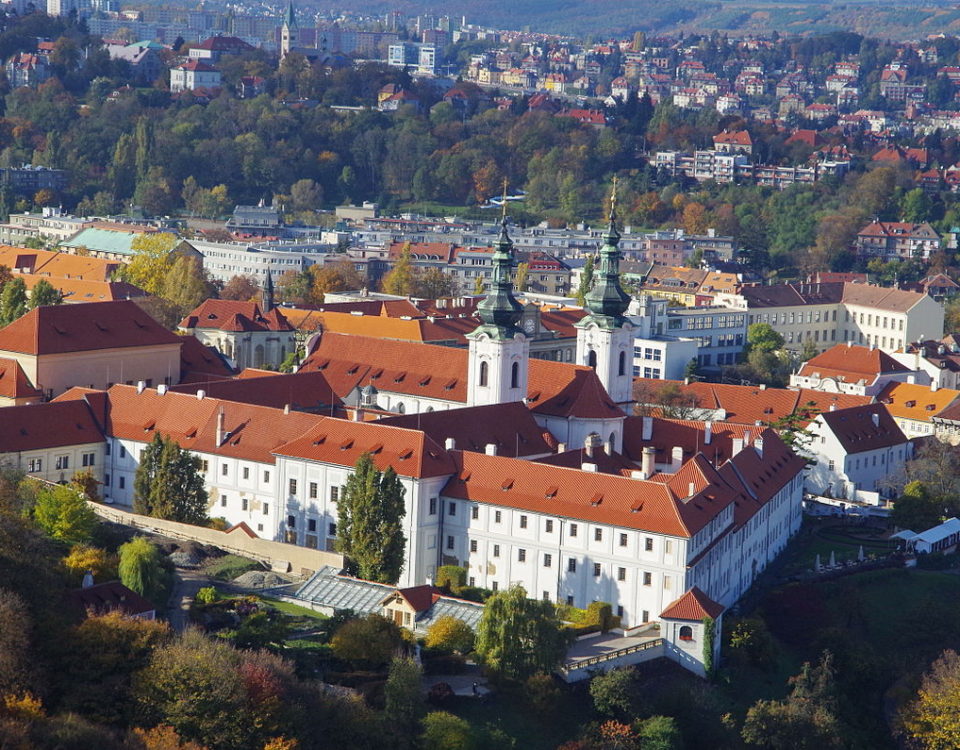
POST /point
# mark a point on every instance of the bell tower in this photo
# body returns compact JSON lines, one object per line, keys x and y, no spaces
{"x":499,"y":350}
{"x":605,"y":336}
{"x":289,"y":32}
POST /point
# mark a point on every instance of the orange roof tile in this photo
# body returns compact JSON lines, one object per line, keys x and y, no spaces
{"x":916,"y":402}
{"x":48,"y":425}
{"x":853,"y":363}
{"x":233,"y":315}
{"x":694,"y":605}
{"x":58,"y":329}
{"x":302,"y":391}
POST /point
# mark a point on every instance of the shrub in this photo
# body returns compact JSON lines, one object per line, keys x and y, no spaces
{"x":543,"y":693}
{"x":453,"y":578}
{"x":450,"y":634}
{"x":439,"y":694}
{"x":228,"y":567}
{"x":207,"y":595}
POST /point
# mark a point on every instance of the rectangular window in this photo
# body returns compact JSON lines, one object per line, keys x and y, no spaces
{"x":246,"y":472}
{"x":293,"y":486}
{"x":523,"y":521}
{"x":453,"y":509}
{"x":291,"y":522}
{"x":432,"y":508}
{"x":572,"y":565}
{"x":667,"y":583}
{"x":332,"y":529}
{"x":548,"y":561}
{"x":123,"y":482}
{"x":668,"y":547}
{"x":475,"y":512}
{"x":266,"y":476}
{"x":123,"y":452}
{"x":548,"y":526}
{"x":244,"y":503}
{"x":623,"y":540}
{"x":109,"y":451}
{"x":63,"y":462}
{"x":598,"y":535}
{"x":621,"y":574}
{"x":84,"y":459}
{"x":313,"y":490}
{"x":496,"y":550}
{"x":224,"y":469}
{"x":495,"y":586}
{"x":106,"y":480}
{"x":473,"y":545}
{"x":521,"y":555}
{"x":573,"y":529}
{"x":449,"y":542}
{"x":497,"y":516}
{"x":223,"y":501}
{"x":312,"y":524}
{"x":596,"y":570}
{"x":472,"y":582}
{"x":645,"y":615}
{"x":266,"y":509}
{"x":647,"y":578}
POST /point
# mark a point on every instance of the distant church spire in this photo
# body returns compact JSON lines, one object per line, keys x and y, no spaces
{"x":500,"y":309}
{"x":266,"y":293}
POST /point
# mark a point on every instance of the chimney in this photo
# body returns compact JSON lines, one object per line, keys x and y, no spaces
{"x":758,"y":444}
{"x":201,"y":394}
{"x":286,"y":408}
{"x":491,"y":449}
{"x":691,"y":489}
{"x":849,"y":345}
{"x":737,"y":446}
{"x":141,"y":385}
{"x":220,"y":431}
{"x":876,"y":419}
{"x":933,"y":386}
{"x":637,"y":474}
{"x":647,"y":427}
{"x":833,"y":407}
{"x":647,"y":461}
{"x":561,"y":447}
{"x":608,"y":447}
{"x":161,"y":389}
{"x":746,"y":437}
{"x":87,"y":579}
{"x":707,"y":432}
{"x":591,"y":443}
{"x":450,"y":444}
{"x":676,"y":457}
{"x":588,"y":467}
{"x":911,"y":379}
{"x":763,"y":386}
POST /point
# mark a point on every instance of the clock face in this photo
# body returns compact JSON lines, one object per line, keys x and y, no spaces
{"x":529,"y":325}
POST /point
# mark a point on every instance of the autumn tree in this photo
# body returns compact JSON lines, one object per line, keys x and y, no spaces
{"x":185,"y":284}
{"x":16,"y":624}
{"x":151,"y":261}
{"x":518,"y":637}
{"x":306,"y":195}
{"x":586,"y":281}
{"x":520,"y":277}
{"x":140,"y":568}
{"x":808,"y":719}
{"x":64,"y":514}
{"x":404,"y":703}
{"x":401,"y":277}
{"x":434,"y":284}
{"x":369,"y":640}
{"x":169,"y":484}
{"x":242,"y":288}
{"x":930,"y":720}
{"x":84,"y":558}
{"x":370,"y":512}
{"x":445,"y":731}
{"x":449,"y":633}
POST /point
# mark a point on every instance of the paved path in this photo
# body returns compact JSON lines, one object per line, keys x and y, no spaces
{"x":462,"y":684}
{"x":186,"y":585}
{"x":587,"y":648}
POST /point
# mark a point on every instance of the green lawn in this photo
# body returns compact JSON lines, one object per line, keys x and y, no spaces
{"x":292,"y":609}
{"x":228,"y":567}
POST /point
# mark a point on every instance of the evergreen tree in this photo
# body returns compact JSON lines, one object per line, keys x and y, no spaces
{"x":369,"y":516}
{"x":44,"y":293}
{"x":13,"y":301}
{"x":168,"y":483}
{"x":586,"y":281}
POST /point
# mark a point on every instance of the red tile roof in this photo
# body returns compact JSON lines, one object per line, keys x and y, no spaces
{"x":14,"y":383}
{"x":421,"y":598}
{"x":857,"y":432}
{"x":739,"y":138}
{"x":510,"y":427}
{"x":694,"y":605}
{"x":853,"y":363}
{"x":337,"y":441}
{"x":111,"y":596}
{"x":49,"y":425}
{"x":302,"y":391}
{"x":58,"y":329}
{"x":234,"y":316}
{"x":916,"y":402}
{"x":586,"y":495}
{"x":199,"y":362}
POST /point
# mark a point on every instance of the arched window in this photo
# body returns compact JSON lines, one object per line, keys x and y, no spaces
{"x":622,"y":366}
{"x":429,"y":409}
{"x":401,"y":409}
{"x":483,"y":374}
{"x":686,"y":633}
{"x":515,"y":375}
{"x":592,"y":359}
{"x":613,"y":438}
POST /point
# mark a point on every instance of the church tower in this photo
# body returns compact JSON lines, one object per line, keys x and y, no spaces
{"x":499,"y":350}
{"x":289,"y":32}
{"x":266,"y":294}
{"x":605,"y":336}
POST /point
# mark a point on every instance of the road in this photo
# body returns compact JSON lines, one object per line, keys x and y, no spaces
{"x":186,"y":585}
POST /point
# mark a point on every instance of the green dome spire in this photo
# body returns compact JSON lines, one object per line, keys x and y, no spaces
{"x":607,"y":301}
{"x":500,"y":309}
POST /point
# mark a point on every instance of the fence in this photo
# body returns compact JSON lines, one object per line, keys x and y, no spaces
{"x":281,"y":557}
{"x":579,"y":669}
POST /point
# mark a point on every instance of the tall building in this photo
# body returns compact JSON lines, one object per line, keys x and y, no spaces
{"x":289,"y":32}
{"x":605,"y":336}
